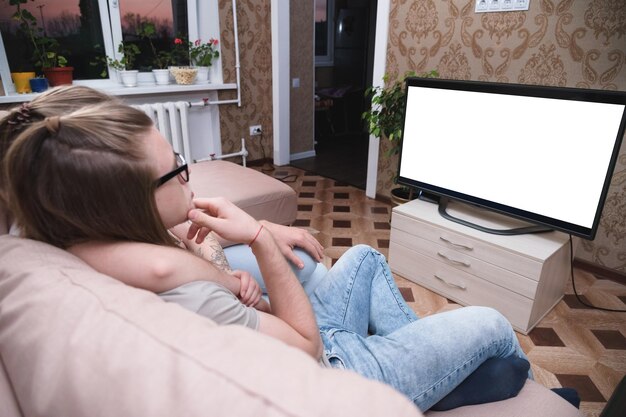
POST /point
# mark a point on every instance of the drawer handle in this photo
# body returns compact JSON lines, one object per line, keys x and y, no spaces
{"x":451,"y":284}
{"x":458,"y":245}
{"x":454,"y":261}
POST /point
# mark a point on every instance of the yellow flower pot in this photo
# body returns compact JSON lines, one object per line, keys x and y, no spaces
{"x":21,"y":80}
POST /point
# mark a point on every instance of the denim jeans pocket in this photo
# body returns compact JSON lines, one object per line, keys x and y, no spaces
{"x":336,"y":362}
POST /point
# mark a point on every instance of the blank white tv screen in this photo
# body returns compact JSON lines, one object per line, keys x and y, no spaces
{"x":546,"y":158}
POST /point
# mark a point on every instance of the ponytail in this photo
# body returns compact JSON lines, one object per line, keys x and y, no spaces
{"x":84,"y":176}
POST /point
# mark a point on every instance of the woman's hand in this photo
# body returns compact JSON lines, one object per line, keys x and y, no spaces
{"x":223,"y":217}
{"x":287,"y":238}
{"x":249,"y":292}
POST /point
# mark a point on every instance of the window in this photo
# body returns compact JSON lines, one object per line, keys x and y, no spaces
{"x":89,"y":30}
{"x":324,"y":31}
{"x":168,"y":18}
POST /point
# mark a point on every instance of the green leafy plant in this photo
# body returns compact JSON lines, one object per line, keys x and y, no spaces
{"x":130,"y":52}
{"x":46,"y":50}
{"x":386,"y":116}
{"x":203,"y":54}
{"x":161,"y":59}
{"x":106,"y":62}
{"x":180,"y":51}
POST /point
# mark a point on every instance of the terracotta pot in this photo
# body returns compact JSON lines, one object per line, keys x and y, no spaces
{"x":21,"y":81}
{"x":59,"y":75}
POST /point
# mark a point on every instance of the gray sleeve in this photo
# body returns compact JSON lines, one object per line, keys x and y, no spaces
{"x":213,"y":301}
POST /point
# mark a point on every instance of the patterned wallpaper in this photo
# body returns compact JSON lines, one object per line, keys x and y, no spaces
{"x":301,"y":63}
{"x":255,"y":56}
{"x":570,"y":43}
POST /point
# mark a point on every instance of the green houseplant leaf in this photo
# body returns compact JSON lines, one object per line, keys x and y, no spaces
{"x":386,"y":116}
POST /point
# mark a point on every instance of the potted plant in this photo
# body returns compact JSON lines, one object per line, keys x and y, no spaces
{"x":385,"y":118}
{"x":115,"y":65}
{"x":54,"y":65}
{"x":161,"y":59}
{"x":21,"y":81}
{"x":39,"y":84}
{"x":181,"y":71}
{"x":202,"y":55}
{"x":46,"y":50}
{"x":107,"y":63}
{"x":127,"y":74}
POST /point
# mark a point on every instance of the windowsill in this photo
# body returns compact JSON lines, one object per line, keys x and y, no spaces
{"x":118,"y":89}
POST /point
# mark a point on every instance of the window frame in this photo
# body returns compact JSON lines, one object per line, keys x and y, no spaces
{"x":327,"y":60}
{"x":202,"y":21}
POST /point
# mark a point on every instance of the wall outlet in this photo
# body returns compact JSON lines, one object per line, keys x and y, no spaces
{"x":255,"y":130}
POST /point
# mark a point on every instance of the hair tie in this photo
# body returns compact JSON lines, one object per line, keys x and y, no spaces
{"x":20,"y":117}
{"x":53,"y":124}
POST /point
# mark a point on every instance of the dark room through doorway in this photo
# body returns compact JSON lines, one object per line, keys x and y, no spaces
{"x":344,"y":49}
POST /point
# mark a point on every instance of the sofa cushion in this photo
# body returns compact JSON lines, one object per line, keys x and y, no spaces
{"x":261,"y":196}
{"x":75,"y":342}
{"x":534,"y":400}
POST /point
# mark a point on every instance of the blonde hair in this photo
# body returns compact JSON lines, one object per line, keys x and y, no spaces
{"x":53,"y":102}
{"x":84,"y":176}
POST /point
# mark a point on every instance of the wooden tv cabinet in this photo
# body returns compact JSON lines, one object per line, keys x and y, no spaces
{"x":522,"y":276}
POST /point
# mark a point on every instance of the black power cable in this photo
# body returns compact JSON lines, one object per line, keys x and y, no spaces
{"x":580,"y":300}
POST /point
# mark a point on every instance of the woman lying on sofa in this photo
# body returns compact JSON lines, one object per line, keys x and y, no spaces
{"x":103,"y":173}
{"x":302,"y":250}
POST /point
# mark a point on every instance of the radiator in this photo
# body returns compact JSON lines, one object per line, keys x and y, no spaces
{"x":171,"y":119}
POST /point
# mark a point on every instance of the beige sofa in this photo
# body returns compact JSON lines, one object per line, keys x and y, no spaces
{"x":74,"y":342}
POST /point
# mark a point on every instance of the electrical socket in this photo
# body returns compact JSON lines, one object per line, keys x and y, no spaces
{"x":256,"y":130}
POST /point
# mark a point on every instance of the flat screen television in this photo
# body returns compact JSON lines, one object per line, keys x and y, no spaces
{"x":541,"y":154}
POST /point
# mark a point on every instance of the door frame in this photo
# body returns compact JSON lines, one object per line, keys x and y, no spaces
{"x":280,"y":84}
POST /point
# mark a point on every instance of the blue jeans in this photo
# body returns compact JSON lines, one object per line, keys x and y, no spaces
{"x":241,"y":257}
{"x":367,"y":327}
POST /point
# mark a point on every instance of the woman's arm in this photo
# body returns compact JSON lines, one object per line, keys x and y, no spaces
{"x":292,"y":319}
{"x":151,"y":267}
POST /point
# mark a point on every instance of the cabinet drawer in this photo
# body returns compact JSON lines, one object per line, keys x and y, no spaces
{"x":475,"y":248}
{"x":459,"y":286}
{"x":464,"y":261}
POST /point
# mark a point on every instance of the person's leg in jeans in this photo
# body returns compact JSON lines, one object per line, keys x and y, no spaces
{"x":241,"y":257}
{"x":425,"y":359}
{"x":360,"y":296}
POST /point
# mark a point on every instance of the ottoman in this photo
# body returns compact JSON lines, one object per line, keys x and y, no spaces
{"x":261,"y":196}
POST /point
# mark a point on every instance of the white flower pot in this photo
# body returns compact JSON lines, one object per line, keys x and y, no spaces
{"x":129,"y":78}
{"x":202,"y":77}
{"x":161,"y":76}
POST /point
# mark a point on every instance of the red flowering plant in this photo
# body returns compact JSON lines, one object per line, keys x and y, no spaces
{"x":202,"y":54}
{"x":180,"y":52}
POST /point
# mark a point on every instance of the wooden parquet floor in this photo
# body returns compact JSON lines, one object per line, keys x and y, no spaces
{"x":573,"y":346}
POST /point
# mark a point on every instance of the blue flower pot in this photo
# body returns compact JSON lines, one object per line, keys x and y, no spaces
{"x":38,"y":85}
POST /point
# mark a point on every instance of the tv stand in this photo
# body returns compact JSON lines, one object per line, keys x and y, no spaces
{"x":443,"y":205}
{"x":522,"y":276}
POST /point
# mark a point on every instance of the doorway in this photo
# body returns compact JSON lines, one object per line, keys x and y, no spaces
{"x":344,"y":40}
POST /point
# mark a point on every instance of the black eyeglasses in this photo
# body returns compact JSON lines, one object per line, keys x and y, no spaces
{"x":181,"y":169}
